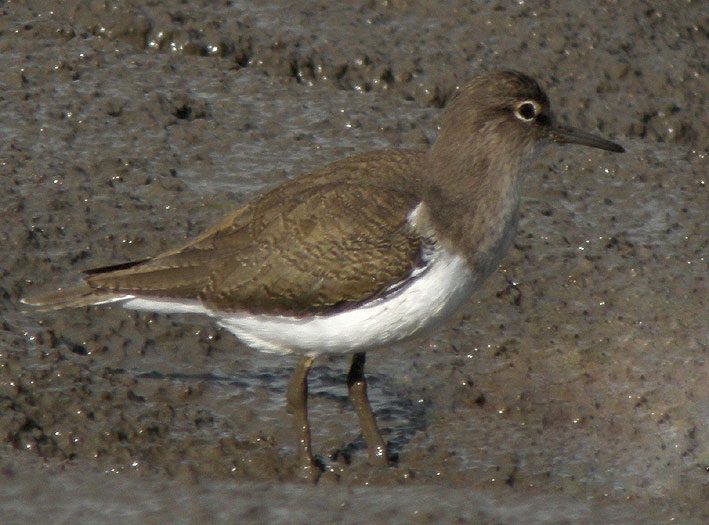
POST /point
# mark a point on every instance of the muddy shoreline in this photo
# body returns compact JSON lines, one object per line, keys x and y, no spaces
{"x":581,"y":395}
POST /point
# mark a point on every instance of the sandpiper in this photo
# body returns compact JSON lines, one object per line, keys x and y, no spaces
{"x":365,"y":252}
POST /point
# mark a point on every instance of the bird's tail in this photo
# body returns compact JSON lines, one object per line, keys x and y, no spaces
{"x":74,"y":297}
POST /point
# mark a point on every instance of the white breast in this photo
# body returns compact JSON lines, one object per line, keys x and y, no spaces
{"x":427,"y":297}
{"x":425,"y":301}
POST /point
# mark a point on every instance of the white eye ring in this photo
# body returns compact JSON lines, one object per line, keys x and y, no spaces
{"x":527,"y":110}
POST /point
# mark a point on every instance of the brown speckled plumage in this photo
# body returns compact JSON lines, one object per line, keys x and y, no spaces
{"x":349,"y":220}
{"x":324,"y":243}
{"x":339,"y":236}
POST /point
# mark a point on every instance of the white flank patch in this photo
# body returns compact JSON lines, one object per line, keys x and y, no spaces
{"x":165,"y":305}
{"x":430,"y":295}
{"x":424,"y":302}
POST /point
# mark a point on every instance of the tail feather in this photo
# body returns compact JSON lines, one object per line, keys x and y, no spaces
{"x":74,"y":297}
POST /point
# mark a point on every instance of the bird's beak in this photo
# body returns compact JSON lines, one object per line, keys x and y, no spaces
{"x":568,"y":135}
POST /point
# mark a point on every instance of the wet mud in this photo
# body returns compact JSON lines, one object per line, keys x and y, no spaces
{"x":574,"y":386}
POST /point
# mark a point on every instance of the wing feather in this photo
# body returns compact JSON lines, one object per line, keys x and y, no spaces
{"x":334,"y":238}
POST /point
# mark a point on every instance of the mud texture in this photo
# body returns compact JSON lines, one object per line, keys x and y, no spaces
{"x":579,"y":394}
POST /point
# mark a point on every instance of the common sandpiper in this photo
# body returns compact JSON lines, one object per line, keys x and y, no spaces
{"x":368,"y":251}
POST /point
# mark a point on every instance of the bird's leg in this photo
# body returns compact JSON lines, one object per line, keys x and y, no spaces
{"x":297,"y":406}
{"x":357,"y":387}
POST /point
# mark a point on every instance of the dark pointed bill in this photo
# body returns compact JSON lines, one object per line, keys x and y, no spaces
{"x":568,"y":135}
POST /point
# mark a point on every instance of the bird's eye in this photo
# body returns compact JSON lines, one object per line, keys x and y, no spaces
{"x":527,"y":111}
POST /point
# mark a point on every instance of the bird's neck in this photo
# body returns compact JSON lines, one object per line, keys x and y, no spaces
{"x":473,"y":191}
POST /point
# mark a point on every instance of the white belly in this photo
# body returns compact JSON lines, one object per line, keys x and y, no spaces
{"x":426,"y":300}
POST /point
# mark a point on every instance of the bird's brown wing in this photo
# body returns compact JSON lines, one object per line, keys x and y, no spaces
{"x":315,"y":244}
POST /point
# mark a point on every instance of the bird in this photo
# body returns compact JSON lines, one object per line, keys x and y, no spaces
{"x":365,"y":252}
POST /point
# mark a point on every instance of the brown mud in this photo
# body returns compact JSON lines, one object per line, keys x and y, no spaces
{"x":581,"y":394}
